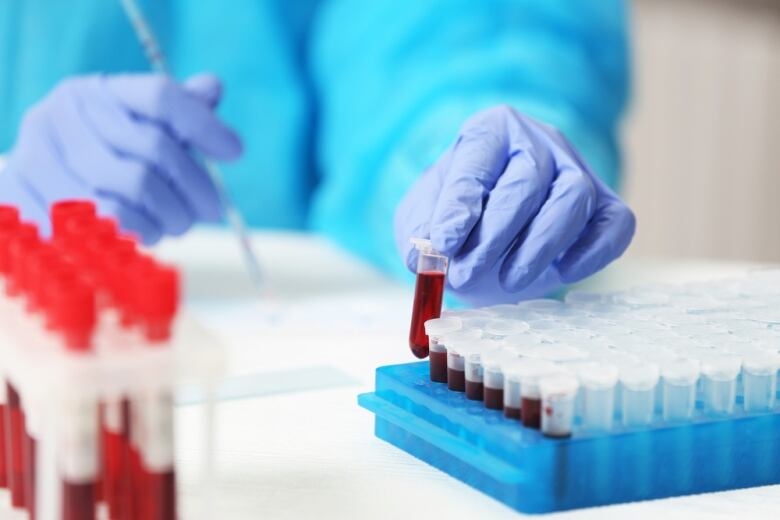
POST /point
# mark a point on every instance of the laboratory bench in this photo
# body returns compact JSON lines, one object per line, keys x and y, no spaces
{"x":291,"y":441}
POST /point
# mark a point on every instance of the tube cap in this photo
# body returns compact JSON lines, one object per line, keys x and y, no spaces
{"x":640,"y":376}
{"x":598,"y":376}
{"x":505,"y":327}
{"x":438,"y":327}
{"x":560,"y":385}
{"x":64,"y":211}
{"x":721,"y":367}
{"x":681,"y":371}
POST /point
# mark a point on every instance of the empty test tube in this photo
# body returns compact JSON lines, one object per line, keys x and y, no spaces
{"x":719,"y":383}
{"x":598,"y":395}
{"x":759,"y":381}
{"x":436,"y":329}
{"x":638,"y":383}
{"x":559,"y":393}
{"x":679,"y":389}
{"x":493,"y":376}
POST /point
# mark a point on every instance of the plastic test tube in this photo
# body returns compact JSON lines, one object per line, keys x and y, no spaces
{"x":501,"y":328}
{"x":456,"y":366}
{"x":719,"y":383}
{"x":474,"y":375}
{"x":526,"y":372}
{"x":436,"y":329}
{"x":493,"y":376}
{"x":428,"y":294}
{"x":559,"y":393}
{"x":638,"y":383}
{"x":598,"y":395}
{"x":759,"y":381}
{"x":679,"y":389}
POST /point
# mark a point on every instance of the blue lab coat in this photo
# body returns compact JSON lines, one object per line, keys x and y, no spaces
{"x":342,"y":103}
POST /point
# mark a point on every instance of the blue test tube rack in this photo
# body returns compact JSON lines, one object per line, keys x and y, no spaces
{"x":535,"y":474}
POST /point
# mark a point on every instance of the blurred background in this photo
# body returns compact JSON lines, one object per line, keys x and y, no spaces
{"x":701,"y":137}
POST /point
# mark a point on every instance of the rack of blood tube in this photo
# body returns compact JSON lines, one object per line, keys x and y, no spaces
{"x":92,"y":347}
{"x":599,"y":398}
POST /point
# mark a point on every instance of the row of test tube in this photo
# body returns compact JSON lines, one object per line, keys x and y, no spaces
{"x":86,"y":408}
{"x":603,"y":361}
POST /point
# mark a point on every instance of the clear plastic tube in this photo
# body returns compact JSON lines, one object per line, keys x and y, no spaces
{"x":437,"y":329}
{"x":428,"y":294}
{"x":558,"y":394}
{"x":719,"y":383}
{"x":598,"y":401}
{"x":759,"y":381}
{"x":638,"y":390}
{"x":679,"y":389}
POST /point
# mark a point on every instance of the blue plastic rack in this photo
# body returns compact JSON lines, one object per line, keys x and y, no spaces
{"x":535,"y":474}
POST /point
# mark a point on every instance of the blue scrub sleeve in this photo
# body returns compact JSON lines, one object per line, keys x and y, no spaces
{"x":395,"y":80}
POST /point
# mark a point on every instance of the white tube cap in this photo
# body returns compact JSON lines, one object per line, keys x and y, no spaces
{"x":560,"y":385}
{"x":721,"y":367}
{"x":681,"y":371}
{"x":598,"y":376}
{"x":640,"y":376}
{"x":438,"y":327}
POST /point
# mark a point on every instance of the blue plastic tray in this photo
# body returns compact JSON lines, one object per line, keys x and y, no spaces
{"x":534,"y":474}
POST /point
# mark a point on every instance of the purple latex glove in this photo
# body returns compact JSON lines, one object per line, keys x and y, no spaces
{"x":515,"y":208}
{"x":123,"y":141}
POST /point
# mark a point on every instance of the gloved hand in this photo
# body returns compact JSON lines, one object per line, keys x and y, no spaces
{"x":125,"y":142}
{"x":515,"y":208}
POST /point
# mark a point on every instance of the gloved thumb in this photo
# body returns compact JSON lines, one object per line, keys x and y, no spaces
{"x":206,"y":87}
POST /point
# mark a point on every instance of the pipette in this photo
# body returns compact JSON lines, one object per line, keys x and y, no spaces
{"x":156,"y":59}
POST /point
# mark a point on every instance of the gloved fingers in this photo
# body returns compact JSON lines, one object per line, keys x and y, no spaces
{"x":478,"y":159}
{"x":555,"y":228}
{"x":88,"y":157}
{"x":154,"y":147}
{"x":606,"y":237}
{"x":413,"y":214}
{"x":516,"y":198}
{"x":160,"y":99}
{"x":132,"y":219}
{"x":207,"y":87}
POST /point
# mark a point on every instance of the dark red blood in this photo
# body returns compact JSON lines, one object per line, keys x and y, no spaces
{"x":78,"y":501}
{"x":29,"y":475}
{"x":160,"y":496}
{"x":511,"y":412}
{"x":428,"y":294}
{"x":14,"y":445}
{"x":494,"y":398}
{"x":456,"y":380}
{"x":3,"y":448}
{"x":438,"y":367}
{"x":531,"y":412}
{"x":474,"y":390}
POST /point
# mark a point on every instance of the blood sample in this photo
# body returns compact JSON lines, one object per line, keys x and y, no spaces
{"x":436,"y":329}
{"x":456,"y":375}
{"x":15,"y":436}
{"x":493,"y":377}
{"x":558,"y":395}
{"x":428,"y":293}
{"x":29,"y":460}
{"x":527,"y":372}
{"x":531,"y":411}
{"x":3,"y":453}
{"x":473,"y":367}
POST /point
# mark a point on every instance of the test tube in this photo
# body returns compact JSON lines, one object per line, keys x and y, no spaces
{"x":493,"y":376}
{"x":501,"y":328}
{"x":436,"y":329}
{"x":428,"y":294}
{"x":474,"y":372}
{"x":598,"y":395}
{"x":719,"y":383}
{"x":558,"y":393}
{"x":528,"y":372}
{"x":456,"y":365}
{"x":759,"y":381}
{"x":638,"y":383}
{"x":679,"y":389}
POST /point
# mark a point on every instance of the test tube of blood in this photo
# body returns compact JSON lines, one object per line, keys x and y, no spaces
{"x":456,"y":365}
{"x":638,"y":383}
{"x":598,"y":397}
{"x":158,"y":305}
{"x":759,"y":381}
{"x":428,"y":294}
{"x":530,"y":396}
{"x":512,"y":398}
{"x":679,"y":389}
{"x":558,"y":393}
{"x":493,"y":376}
{"x":719,"y":383}
{"x":74,"y":307}
{"x":436,"y":329}
{"x":472,"y":358}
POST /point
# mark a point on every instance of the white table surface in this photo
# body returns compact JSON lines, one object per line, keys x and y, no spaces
{"x":295,"y":444}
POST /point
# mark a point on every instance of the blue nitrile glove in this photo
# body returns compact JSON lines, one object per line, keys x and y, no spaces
{"x":125,"y":142}
{"x":515,"y":208}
